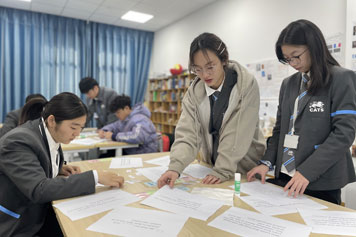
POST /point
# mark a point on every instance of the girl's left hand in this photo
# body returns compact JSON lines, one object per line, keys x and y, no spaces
{"x":296,"y":185}
{"x":69,"y":170}
{"x":211,"y":179}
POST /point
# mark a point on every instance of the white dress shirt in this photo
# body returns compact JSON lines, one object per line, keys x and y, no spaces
{"x":53,"y":149}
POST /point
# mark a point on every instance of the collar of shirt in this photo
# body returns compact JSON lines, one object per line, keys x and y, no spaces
{"x":53,"y":150}
{"x":51,"y":143}
{"x":100,"y":96}
{"x":210,"y":91}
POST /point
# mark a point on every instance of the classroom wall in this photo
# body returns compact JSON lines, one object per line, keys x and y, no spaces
{"x":350,"y":51}
{"x":248,"y":27}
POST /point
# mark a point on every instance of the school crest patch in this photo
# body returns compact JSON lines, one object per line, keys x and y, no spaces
{"x":316,"y":106}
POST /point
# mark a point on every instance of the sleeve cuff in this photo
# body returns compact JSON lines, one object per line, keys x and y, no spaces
{"x":266,"y":163}
{"x":96,"y":177}
{"x":113,"y":137}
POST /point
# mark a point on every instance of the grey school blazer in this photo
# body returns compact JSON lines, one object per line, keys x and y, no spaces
{"x":101,"y":106}
{"x":26,"y":186}
{"x":326,"y":127}
{"x":11,"y":121}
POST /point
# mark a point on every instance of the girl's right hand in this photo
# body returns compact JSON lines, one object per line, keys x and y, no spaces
{"x":169,"y":177}
{"x":261,"y":170}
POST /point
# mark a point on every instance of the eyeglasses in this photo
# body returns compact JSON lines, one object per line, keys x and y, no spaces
{"x":210,"y":69}
{"x":293,"y":59}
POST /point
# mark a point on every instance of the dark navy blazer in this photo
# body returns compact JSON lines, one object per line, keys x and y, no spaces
{"x":326,"y":127}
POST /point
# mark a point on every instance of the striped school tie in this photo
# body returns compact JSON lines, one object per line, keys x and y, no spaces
{"x":289,"y":153}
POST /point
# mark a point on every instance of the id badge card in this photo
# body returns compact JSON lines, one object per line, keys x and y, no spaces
{"x":291,"y":141}
{"x":95,"y":115}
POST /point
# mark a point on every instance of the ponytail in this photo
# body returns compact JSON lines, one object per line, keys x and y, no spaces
{"x":32,"y":109}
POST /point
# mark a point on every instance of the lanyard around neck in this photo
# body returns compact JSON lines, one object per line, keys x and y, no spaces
{"x":296,"y":103}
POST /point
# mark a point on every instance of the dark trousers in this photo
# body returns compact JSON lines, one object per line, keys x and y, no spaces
{"x":333,"y":196}
{"x":51,"y":226}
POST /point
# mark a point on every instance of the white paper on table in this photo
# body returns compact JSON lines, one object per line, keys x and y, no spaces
{"x":197,"y":171}
{"x":125,"y":162}
{"x":161,"y":161}
{"x":275,"y":195}
{"x":88,"y":133}
{"x":95,"y":203}
{"x":247,"y":223}
{"x":181,"y":202}
{"x":224,"y":195}
{"x":330,"y":222}
{"x":266,"y":207}
{"x":152,"y":173}
{"x":87,"y":141}
{"x":129,"y":221}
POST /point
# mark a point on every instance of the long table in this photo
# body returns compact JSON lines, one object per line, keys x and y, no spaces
{"x":107,"y":145}
{"x":193,"y":227}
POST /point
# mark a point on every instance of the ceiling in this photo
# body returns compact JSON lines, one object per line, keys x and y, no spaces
{"x":110,"y":11}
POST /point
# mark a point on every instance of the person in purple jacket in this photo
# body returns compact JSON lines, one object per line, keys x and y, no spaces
{"x":133,"y":126}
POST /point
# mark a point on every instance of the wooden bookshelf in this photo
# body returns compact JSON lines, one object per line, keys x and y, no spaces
{"x":165,"y":97}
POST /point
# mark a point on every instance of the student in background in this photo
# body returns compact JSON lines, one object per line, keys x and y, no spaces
{"x":316,"y":119}
{"x":219,"y":116}
{"x":32,"y":171}
{"x":98,"y":101}
{"x":133,"y":126}
{"x":12,"y":119}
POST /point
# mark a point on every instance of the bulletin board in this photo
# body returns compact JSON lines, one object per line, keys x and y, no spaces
{"x":269,"y":74}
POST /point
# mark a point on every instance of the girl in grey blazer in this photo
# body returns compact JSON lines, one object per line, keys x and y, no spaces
{"x":316,"y":119}
{"x":31,"y":160}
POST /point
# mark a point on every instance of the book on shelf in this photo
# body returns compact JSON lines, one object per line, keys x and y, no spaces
{"x":173,"y":108}
{"x":163,"y":96}
{"x":173,"y":96}
{"x":181,"y":82}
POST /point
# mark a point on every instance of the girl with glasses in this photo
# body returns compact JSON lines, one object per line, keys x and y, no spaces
{"x":32,"y":160}
{"x":316,"y":119}
{"x":219,"y":116}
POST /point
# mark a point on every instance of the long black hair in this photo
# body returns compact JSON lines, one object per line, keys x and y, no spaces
{"x":208,"y":41}
{"x":304,"y":32}
{"x":64,"y":106}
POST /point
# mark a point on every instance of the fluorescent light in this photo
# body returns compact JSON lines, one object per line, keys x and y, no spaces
{"x":25,"y":0}
{"x":136,"y":16}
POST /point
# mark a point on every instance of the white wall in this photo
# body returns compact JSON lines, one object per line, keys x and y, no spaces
{"x":248,"y":27}
{"x":350,"y":22}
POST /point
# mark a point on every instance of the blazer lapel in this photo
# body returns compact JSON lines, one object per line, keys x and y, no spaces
{"x":302,"y":103}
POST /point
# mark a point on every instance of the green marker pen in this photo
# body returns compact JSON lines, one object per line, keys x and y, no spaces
{"x":237,"y":184}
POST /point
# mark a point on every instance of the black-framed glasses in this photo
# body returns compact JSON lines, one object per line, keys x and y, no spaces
{"x":293,"y":59}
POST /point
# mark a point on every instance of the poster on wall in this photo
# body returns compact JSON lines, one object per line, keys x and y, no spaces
{"x":268,"y":113}
{"x":335,"y":47}
{"x":353,"y":47}
{"x":269,"y":75}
